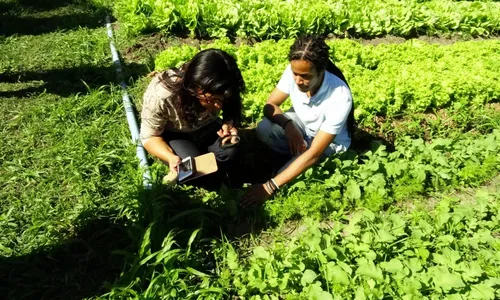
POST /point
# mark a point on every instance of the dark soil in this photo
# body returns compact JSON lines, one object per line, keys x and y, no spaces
{"x":440,"y":40}
{"x":147,"y":46}
{"x":152,"y":44}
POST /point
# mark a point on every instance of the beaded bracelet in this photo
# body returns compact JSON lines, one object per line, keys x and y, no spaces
{"x":268,"y":188}
{"x":276,"y":187}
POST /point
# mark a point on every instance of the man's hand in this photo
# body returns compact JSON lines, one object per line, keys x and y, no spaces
{"x":256,"y":195}
{"x":228,"y":129}
{"x":295,"y":139}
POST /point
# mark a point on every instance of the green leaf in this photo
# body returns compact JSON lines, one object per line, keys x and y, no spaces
{"x":448,"y":257}
{"x":471,"y":271}
{"x":191,"y":240}
{"x":330,"y":252}
{"x":445,"y":280}
{"x":308,"y":277}
{"x":273,"y":282}
{"x":336,"y":274}
{"x":196,"y":272}
{"x":385,"y":236}
{"x":481,"y":291}
{"x":368,"y":214}
{"x":299,"y":185}
{"x":392,"y":266}
{"x":345,"y":267}
{"x":284,"y":281}
{"x":414,"y":265}
{"x":445,"y":240}
{"x":411,"y":285}
{"x":232,"y":259}
{"x":368,"y":269}
{"x":360,"y":294}
{"x":146,"y":242}
{"x":261,"y":253}
{"x":422,"y":253}
{"x":352,"y":191}
{"x":315,"y":292}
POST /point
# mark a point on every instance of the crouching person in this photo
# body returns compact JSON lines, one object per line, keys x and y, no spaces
{"x":181,"y":107}
{"x":319,"y":123}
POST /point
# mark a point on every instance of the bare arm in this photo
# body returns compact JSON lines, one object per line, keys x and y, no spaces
{"x":272,"y":111}
{"x":306,"y":159}
{"x":259,"y":193}
{"x":157,"y":146}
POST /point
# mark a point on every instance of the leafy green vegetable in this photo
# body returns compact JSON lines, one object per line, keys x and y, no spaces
{"x":273,"y":19}
{"x":385,"y":80}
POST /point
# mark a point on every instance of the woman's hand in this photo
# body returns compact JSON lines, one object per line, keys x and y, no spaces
{"x":226,"y":130}
{"x":173,"y":162}
{"x":171,"y":177}
{"x":256,"y":195}
{"x":295,"y":139}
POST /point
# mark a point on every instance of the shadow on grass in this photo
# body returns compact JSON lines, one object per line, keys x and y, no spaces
{"x":73,"y":270}
{"x":40,"y":5}
{"x":103,"y":254}
{"x":32,"y":17}
{"x":362,"y":141}
{"x":68,"y":81}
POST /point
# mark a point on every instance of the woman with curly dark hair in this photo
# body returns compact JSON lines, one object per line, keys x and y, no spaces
{"x":319,"y":124}
{"x":181,"y":106}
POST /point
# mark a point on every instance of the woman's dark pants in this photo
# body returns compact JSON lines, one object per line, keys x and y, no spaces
{"x":202,"y":141}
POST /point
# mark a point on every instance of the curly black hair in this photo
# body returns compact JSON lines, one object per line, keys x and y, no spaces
{"x":213,"y":71}
{"x":314,"y":49}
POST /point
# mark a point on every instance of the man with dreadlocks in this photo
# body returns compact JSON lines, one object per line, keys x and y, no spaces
{"x":318,"y":125}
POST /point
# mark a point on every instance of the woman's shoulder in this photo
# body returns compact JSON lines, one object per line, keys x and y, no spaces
{"x":158,"y":76}
{"x":336,"y":88}
{"x":157,"y":93}
{"x":158,"y":84}
{"x":335,"y":82}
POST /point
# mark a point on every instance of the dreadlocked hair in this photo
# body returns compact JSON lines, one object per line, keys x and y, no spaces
{"x":311,"y":48}
{"x":314,"y":49}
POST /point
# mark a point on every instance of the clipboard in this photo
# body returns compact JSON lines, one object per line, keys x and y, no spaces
{"x":203,"y":165}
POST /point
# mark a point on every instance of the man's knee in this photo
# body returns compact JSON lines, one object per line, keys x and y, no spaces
{"x":266,"y":130}
{"x":272,"y":135}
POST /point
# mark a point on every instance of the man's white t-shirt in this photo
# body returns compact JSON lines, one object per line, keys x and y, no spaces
{"x":327,"y":110}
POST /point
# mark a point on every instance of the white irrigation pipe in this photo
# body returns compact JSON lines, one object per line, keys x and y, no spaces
{"x":129,"y":110}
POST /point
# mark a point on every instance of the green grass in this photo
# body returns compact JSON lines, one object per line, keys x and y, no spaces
{"x":31,"y":17}
{"x":63,"y":156}
{"x":70,"y":186}
{"x":74,"y":218}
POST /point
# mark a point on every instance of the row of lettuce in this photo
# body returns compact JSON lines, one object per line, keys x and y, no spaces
{"x":387,"y":79}
{"x":273,"y":19}
{"x":446,"y":251}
